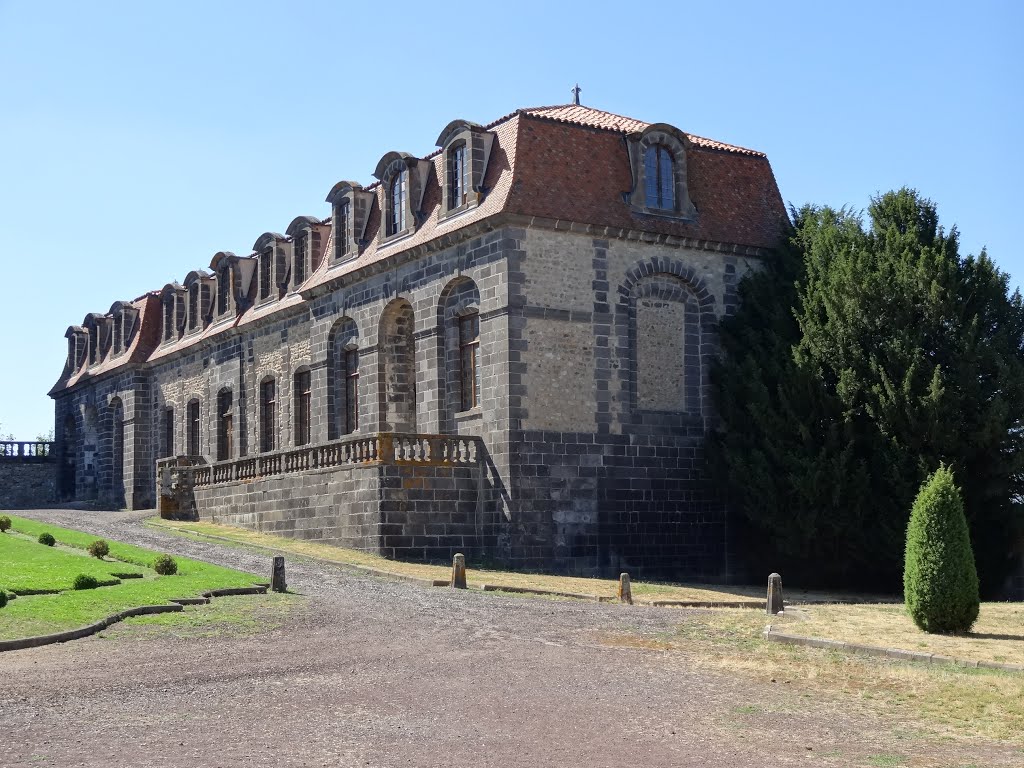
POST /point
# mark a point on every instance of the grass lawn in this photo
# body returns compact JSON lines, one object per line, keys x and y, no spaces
{"x":998,"y":635}
{"x":27,"y":565}
{"x":476,"y":577}
{"x":953,"y":702}
{"x":41,"y":614}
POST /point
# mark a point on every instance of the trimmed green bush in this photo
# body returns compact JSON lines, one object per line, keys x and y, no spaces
{"x":47,"y":539}
{"x":940,"y":580}
{"x":3,"y":598}
{"x":98,"y":549}
{"x":85,"y":581}
{"x":165,"y":565}
{"x":5,"y":523}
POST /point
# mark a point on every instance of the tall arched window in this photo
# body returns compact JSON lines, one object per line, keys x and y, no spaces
{"x":659,"y":177}
{"x":342,"y":379}
{"x":469,"y":360}
{"x":396,"y":203}
{"x":351,"y":369}
{"x":225,"y":426}
{"x":192,"y":415}
{"x":268,"y":414}
{"x":303,"y":395}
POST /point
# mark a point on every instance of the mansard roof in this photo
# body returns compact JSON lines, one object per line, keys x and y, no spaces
{"x":560,"y":166}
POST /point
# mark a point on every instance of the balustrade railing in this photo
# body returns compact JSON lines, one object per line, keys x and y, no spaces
{"x":383,"y":448}
{"x":26,"y":450}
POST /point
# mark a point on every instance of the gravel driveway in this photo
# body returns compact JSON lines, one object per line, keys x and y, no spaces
{"x":373,"y":672}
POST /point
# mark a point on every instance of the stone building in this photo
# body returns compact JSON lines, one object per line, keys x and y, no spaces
{"x":500,"y":347}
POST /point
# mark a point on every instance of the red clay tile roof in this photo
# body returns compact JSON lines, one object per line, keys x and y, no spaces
{"x":565,"y":162}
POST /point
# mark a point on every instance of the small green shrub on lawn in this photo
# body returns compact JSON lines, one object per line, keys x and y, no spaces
{"x":47,"y":539}
{"x":940,"y":580}
{"x":98,"y":549}
{"x":165,"y":565}
{"x":5,"y":523}
{"x":3,"y":598}
{"x":85,"y":581}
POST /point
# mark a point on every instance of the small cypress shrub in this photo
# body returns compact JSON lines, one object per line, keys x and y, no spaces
{"x":165,"y":565}
{"x":85,"y":581}
{"x":98,"y":549}
{"x":5,"y":523}
{"x":940,"y":580}
{"x":47,"y":539}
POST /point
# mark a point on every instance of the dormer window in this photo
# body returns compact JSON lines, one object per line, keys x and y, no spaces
{"x":657,"y":158}
{"x":404,"y":180}
{"x":117,"y":334}
{"x":234,"y":282}
{"x":396,"y":202}
{"x":94,"y":344}
{"x":659,"y":177}
{"x":300,"y":247}
{"x":343,"y":228}
{"x":168,"y":318}
{"x":193,"y":306}
{"x":78,"y":343}
{"x":223,"y":291}
{"x":466,"y":149}
{"x":266,"y":259}
{"x":458,"y":176}
{"x":351,"y":206}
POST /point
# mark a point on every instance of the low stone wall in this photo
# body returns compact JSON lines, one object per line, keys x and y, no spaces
{"x":399,"y":511}
{"x":27,"y":484}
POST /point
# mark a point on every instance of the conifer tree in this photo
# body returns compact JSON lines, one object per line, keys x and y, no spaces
{"x":940,"y":582}
{"x":858,"y":361}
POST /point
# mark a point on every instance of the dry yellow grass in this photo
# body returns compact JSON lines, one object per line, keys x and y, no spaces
{"x":954,"y":702}
{"x":998,"y":635}
{"x":476,"y":577}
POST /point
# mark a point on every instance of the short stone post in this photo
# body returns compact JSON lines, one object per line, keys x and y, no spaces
{"x":277,"y":582}
{"x":625,"y":592}
{"x":459,"y":571}
{"x":775,"y":604}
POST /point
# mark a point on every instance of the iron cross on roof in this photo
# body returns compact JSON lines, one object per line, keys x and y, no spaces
{"x":576,"y":94}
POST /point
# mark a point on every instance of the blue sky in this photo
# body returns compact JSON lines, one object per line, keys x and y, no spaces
{"x":138,"y":139}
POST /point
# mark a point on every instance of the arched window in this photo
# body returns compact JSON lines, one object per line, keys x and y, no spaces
{"x":396,"y":203}
{"x":342,"y":379}
{"x":192,"y":415}
{"x":268,"y":415}
{"x":302,"y":391}
{"x":397,"y":368}
{"x":659,"y":177}
{"x":168,"y":432}
{"x":469,"y":360}
{"x":225,"y":426}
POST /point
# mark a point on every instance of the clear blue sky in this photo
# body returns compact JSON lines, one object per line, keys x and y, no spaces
{"x":139,"y":138}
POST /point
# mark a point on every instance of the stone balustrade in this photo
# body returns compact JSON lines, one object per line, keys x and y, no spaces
{"x":380,"y":448}
{"x":27,"y":450}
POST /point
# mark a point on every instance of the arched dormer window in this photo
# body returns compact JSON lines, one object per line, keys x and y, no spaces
{"x":123,"y":316}
{"x":306,"y":235}
{"x":350,"y":206}
{"x":396,"y":202}
{"x":199,"y":287}
{"x":404,"y":180}
{"x":234,"y":280}
{"x":657,"y":157}
{"x":466,"y":148}
{"x":659,"y":177}
{"x":78,"y":346}
{"x":92,"y":334}
{"x":172,"y":299}
{"x":271,"y":253}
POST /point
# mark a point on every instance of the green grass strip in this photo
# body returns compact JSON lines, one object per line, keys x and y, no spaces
{"x":28,"y":565}
{"x":43,"y":614}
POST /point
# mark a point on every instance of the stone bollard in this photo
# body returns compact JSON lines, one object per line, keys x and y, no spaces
{"x":459,"y":571}
{"x":625,"y":592}
{"x":277,"y":582}
{"x":775,"y":604}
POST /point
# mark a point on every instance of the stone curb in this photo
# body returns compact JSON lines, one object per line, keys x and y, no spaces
{"x":705,"y":603}
{"x":892,"y":653}
{"x":172,"y":606}
{"x":552,"y":592}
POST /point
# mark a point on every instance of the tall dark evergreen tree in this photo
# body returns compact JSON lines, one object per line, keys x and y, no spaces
{"x":858,"y":362}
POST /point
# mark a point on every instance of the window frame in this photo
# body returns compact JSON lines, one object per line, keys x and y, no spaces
{"x":302,"y":394}
{"x":225,"y":425}
{"x":193,"y":416}
{"x":168,"y":431}
{"x":457,"y":172}
{"x":268,"y":415}
{"x":469,"y":361}
{"x":351,"y":366}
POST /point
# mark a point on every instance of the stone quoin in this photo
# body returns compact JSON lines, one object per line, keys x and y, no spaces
{"x":499,"y":349}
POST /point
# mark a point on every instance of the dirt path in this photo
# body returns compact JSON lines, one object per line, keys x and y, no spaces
{"x":370,"y":672}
